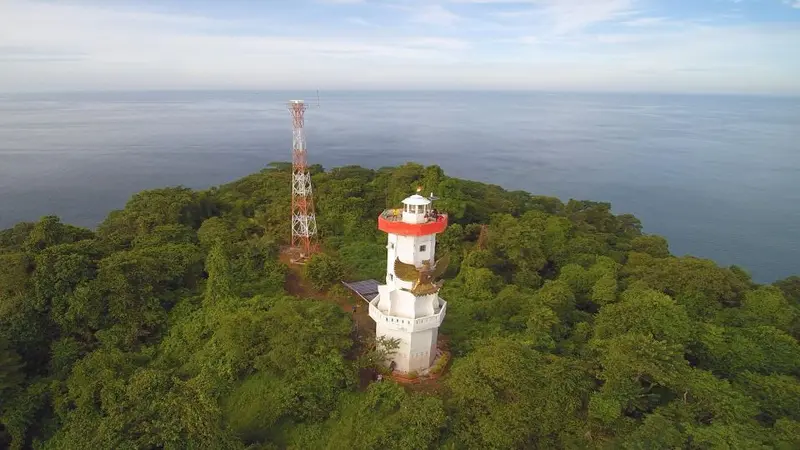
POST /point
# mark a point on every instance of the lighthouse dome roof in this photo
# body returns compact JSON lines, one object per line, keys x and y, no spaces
{"x":416,"y":199}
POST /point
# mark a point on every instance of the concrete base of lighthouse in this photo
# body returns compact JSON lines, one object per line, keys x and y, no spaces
{"x":417,"y":337}
{"x":416,"y":351}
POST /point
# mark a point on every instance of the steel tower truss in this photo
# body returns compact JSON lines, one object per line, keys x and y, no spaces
{"x":304,"y":224}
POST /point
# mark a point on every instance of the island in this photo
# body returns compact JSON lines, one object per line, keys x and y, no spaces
{"x":180,"y":321}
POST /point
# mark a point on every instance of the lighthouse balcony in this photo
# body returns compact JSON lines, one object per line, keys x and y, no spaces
{"x":406,"y":324}
{"x":391,"y":221}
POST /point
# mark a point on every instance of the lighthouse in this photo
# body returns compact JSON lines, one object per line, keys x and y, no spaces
{"x":408,"y":307}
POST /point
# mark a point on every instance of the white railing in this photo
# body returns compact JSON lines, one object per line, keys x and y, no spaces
{"x":409,"y":325}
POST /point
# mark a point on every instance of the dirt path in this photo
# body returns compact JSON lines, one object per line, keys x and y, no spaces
{"x":363,"y":326}
{"x":297,"y":286}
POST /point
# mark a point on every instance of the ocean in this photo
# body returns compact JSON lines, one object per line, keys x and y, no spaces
{"x":718,"y":176}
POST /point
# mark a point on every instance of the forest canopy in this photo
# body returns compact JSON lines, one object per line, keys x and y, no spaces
{"x":172,"y":325}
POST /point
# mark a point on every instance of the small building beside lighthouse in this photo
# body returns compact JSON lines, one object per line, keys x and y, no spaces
{"x":408,"y":307}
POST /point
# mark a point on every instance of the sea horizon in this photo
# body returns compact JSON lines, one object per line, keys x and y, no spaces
{"x":312,"y":92}
{"x":717,"y":174}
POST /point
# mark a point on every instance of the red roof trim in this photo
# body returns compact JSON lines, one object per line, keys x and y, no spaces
{"x":412,"y":229}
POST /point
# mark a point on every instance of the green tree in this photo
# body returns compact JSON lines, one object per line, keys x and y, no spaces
{"x":322,"y":270}
{"x":777,"y":395}
{"x":254,"y":407}
{"x":147,"y":210}
{"x":132,"y":289}
{"x":655,"y":246}
{"x":791,"y":289}
{"x":656,"y":431}
{"x":568,"y":328}
{"x":647,"y":312}
{"x":386,"y":417}
{"x":786,"y":434}
{"x":698,"y":284}
{"x":10,"y":369}
{"x":379,"y":352}
{"x":636,"y":369}
{"x":219,"y":285}
{"x":558,"y":296}
{"x":729,"y":351}
{"x":14,"y":268}
{"x":765,"y":306}
{"x":213,"y":231}
{"x":60,"y":271}
{"x":507,"y":395}
{"x":166,"y":234}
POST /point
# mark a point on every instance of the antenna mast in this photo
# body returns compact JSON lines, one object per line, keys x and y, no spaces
{"x":304,"y":224}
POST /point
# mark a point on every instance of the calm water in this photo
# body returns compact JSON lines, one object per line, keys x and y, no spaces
{"x":718,"y":176}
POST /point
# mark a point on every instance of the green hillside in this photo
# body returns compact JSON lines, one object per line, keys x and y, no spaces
{"x":170,"y":326}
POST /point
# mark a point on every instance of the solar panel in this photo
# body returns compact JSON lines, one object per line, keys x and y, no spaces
{"x":366,"y":289}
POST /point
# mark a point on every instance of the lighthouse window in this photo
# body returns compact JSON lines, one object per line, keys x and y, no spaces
{"x":422,"y":248}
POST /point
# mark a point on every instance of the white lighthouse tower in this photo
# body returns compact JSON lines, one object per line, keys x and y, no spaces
{"x":408,"y":307}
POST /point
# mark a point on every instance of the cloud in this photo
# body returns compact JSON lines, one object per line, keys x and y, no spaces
{"x":529,"y":40}
{"x":23,"y":54}
{"x":574,"y":15}
{"x":617,"y":38}
{"x":139,"y":50}
{"x":563,"y":16}
{"x":359,"y":21}
{"x":644,"y":21}
{"x":105,"y":34}
{"x":480,"y":44}
{"x":435,"y":15}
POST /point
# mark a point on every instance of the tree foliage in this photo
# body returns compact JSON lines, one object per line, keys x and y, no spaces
{"x":324,"y":270}
{"x":169,"y":327}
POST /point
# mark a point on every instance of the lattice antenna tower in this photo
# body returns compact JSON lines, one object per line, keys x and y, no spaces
{"x":304,"y":223}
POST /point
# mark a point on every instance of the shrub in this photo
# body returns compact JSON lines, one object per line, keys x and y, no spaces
{"x":441,"y":363}
{"x":323,"y":270}
{"x":338,"y":291}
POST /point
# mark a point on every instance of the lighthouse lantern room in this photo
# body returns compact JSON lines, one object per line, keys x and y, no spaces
{"x":408,"y":307}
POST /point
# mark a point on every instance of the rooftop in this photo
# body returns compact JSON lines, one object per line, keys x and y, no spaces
{"x":416,"y":199}
{"x":396,"y":215}
{"x":391,"y":221}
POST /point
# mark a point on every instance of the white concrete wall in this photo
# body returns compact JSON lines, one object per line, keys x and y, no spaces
{"x":408,"y":248}
{"x":403,"y":304}
{"x":422,"y":349}
{"x":407,"y":323}
{"x":394,"y":302}
{"x":424,"y":306}
{"x":400,"y":356}
{"x":434,"y":347}
{"x":416,"y":351}
{"x":406,"y":304}
{"x":385,"y":298}
{"x":391,"y":255}
{"x":413,"y":217}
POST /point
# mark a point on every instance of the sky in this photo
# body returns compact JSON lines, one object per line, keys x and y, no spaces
{"x":739,"y":46}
